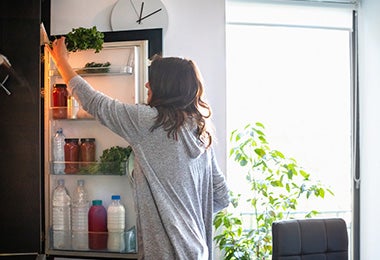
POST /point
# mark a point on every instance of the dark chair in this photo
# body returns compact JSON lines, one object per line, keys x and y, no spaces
{"x":310,"y":239}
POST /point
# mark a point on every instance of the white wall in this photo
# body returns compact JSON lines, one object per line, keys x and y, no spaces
{"x":196,"y":30}
{"x":369,"y":77}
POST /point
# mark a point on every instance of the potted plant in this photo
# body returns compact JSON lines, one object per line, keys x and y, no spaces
{"x":275,"y":183}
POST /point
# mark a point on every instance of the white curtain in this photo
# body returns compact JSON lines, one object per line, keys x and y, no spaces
{"x":323,"y":1}
{"x":280,"y":12}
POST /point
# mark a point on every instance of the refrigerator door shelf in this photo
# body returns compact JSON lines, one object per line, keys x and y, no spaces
{"x":89,"y":168}
{"x":98,"y":71}
{"x":120,"y":242}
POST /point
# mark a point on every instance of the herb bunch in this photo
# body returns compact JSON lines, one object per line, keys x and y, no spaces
{"x":113,"y":160}
{"x":84,"y":38}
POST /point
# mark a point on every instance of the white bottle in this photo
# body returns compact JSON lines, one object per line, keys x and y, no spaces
{"x":116,"y":225}
{"x":79,"y":216}
{"x":59,"y":152}
{"x":61,"y":216}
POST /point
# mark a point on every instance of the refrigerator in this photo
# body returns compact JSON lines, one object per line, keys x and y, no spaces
{"x":119,"y":70}
{"x":28,"y":127}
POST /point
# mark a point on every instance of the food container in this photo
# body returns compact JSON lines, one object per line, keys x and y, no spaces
{"x":72,"y":108}
{"x":87,"y":151}
{"x":59,"y":101}
{"x":71,"y":155}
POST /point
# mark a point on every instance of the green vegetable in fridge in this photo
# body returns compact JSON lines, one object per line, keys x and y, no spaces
{"x":84,"y":38}
{"x":114,"y":159}
{"x":92,"y":168}
{"x":94,"y":67}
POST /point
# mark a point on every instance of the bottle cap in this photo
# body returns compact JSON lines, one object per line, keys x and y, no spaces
{"x":59,"y":130}
{"x":97,"y":202}
{"x":115,"y":197}
{"x":61,"y":182}
{"x":80,"y":182}
{"x":68,"y":140}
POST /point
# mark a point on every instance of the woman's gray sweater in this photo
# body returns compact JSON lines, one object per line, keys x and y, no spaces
{"x":178,"y":184}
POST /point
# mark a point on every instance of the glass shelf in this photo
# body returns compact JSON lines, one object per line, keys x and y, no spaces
{"x":99,"y":71}
{"x":64,"y":113}
{"x":88,"y":168}
{"x":117,"y":242}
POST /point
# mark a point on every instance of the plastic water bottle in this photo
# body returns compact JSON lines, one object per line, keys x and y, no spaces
{"x":116,"y":225}
{"x":59,"y":152}
{"x":79,"y":217}
{"x":61,"y":216}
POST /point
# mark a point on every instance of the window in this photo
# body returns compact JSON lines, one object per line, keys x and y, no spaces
{"x":289,"y":67}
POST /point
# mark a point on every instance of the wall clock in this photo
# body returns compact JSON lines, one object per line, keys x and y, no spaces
{"x":139,"y":14}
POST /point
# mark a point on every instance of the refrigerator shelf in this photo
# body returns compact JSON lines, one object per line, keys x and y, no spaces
{"x":115,"y":242}
{"x":88,"y":168}
{"x":68,"y":113}
{"x":98,"y":71}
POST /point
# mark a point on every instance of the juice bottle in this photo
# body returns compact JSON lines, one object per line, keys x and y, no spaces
{"x":97,"y":226}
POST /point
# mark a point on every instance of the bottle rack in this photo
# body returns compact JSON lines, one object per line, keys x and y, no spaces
{"x":78,"y":241}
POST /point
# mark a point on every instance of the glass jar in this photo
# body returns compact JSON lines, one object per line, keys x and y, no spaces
{"x":71,"y":155}
{"x":59,"y":101}
{"x":87,"y":151}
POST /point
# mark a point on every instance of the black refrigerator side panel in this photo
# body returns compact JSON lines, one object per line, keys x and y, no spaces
{"x":20,"y":136}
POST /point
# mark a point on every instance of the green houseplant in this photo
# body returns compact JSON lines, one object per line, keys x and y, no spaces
{"x":275,"y":184}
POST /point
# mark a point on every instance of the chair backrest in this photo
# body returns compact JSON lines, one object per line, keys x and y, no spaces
{"x":310,"y":239}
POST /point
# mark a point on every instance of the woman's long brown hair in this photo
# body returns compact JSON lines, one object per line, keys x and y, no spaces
{"x":177,"y":91}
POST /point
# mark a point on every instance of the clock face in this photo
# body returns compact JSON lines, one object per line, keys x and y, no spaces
{"x":139,"y":14}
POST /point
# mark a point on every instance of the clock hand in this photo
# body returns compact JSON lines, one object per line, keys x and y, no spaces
{"x":134,"y":8}
{"x":146,"y":16}
{"x":141,"y":11}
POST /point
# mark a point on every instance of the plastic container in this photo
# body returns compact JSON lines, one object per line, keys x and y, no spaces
{"x":79,"y":217}
{"x":61,"y":225}
{"x":71,"y":155}
{"x":130,"y":238}
{"x":115,"y":215}
{"x":60,"y":95}
{"x":116,"y":225}
{"x":87,"y":151}
{"x":72,"y":107}
{"x":59,"y":152}
{"x":97,"y":226}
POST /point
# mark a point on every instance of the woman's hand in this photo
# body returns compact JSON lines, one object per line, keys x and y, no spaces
{"x":60,"y":56}
{"x":58,"y":50}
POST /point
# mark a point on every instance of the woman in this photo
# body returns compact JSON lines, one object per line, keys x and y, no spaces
{"x":178,"y":184}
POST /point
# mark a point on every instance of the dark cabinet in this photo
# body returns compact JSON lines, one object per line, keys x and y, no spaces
{"x":20,"y":136}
